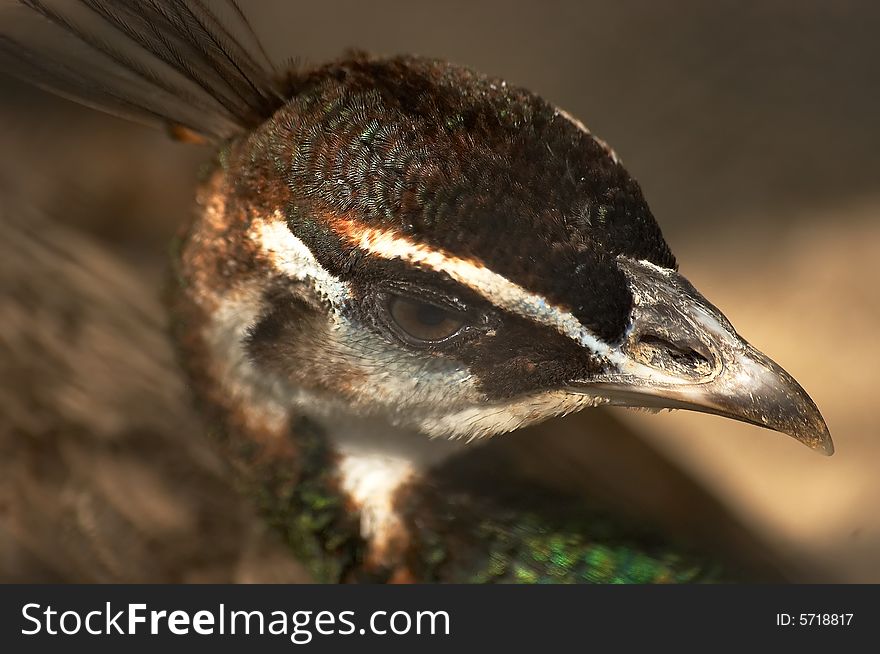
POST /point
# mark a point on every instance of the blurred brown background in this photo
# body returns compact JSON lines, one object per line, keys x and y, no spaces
{"x":752,"y":128}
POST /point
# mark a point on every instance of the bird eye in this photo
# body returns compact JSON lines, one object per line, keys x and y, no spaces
{"x":421,"y":321}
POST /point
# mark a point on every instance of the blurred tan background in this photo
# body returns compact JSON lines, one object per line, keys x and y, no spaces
{"x":752,"y":128}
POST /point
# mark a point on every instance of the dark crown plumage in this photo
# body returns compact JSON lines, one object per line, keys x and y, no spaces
{"x":477,"y":168}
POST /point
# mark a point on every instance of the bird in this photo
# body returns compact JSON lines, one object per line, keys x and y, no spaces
{"x":390,"y":260}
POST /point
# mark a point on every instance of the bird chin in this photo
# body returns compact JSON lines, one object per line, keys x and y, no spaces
{"x":478,"y":421}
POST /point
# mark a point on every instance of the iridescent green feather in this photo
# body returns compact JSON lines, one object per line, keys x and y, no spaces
{"x":479,"y":542}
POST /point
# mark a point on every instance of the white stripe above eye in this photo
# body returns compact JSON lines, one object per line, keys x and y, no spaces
{"x":495,"y":288}
{"x":290,"y":256}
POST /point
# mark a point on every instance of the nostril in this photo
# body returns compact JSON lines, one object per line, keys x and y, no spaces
{"x":676,"y":358}
{"x":681,"y":353}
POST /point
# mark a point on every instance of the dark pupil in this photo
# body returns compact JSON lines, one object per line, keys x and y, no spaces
{"x":431,"y":316}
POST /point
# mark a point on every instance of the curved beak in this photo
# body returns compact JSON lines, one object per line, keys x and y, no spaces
{"x":682,"y":353}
